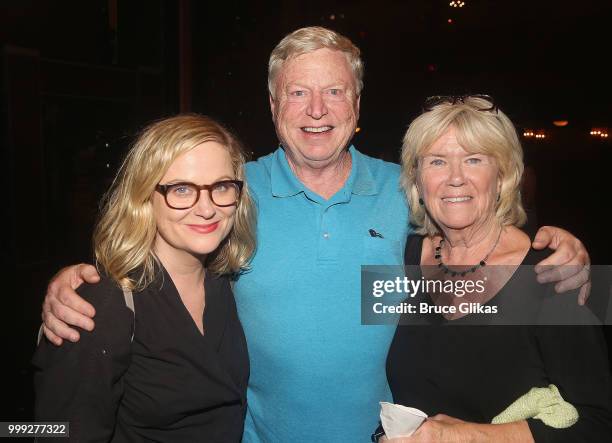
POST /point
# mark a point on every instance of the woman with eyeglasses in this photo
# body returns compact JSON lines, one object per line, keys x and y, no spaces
{"x":167,"y":360}
{"x":477,"y":377}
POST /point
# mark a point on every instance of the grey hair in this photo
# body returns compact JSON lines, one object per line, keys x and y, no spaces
{"x":305,"y":40}
{"x":486,"y":132}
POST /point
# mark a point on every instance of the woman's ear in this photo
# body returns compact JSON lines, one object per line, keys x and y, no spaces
{"x":419,"y":191}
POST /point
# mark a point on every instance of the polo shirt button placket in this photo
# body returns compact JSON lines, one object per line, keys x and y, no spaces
{"x":325,"y":253}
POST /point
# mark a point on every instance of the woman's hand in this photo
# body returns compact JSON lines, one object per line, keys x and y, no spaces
{"x":443,"y":428}
{"x":438,"y":428}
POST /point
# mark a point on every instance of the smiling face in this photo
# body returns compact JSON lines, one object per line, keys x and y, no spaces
{"x":459,"y":189}
{"x":200,"y":229}
{"x":315,"y":108}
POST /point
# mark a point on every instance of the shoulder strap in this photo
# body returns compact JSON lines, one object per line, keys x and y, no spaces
{"x":129,"y":302}
{"x":412,"y":253}
{"x":40,"y":335}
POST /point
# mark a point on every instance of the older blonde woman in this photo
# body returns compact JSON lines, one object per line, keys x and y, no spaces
{"x":177,"y":221}
{"x":462,"y":166}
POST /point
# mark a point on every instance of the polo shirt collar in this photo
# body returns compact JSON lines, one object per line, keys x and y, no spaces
{"x":361,"y":181}
{"x":284,"y":183}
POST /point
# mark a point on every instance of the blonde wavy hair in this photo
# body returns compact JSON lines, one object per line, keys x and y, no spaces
{"x":488,"y":132}
{"x":125,"y":233}
{"x":305,"y":40}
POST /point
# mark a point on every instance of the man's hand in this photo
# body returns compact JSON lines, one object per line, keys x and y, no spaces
{"x":63,"y":306}
{"x":570,"y":262}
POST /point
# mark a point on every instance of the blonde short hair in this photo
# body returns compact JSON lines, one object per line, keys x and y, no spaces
{"x":125,"y":233}
{"x":305,"y":40}
{"x":480,"y":128}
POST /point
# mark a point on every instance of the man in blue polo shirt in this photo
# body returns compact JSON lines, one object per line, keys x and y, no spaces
{"x":317,"y":374}
{"x":324,"y":209}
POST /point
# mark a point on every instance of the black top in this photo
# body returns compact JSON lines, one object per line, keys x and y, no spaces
{"x":170,"y":384}
{"x":475,"y":372}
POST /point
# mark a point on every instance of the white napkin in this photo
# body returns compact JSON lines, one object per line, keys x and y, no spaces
{"x":399,"y":420}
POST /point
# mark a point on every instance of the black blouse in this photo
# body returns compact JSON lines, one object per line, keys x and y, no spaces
{"x":170,"y":383}
{"x":475,"y":372}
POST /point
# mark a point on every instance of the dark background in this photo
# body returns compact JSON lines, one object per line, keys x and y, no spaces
{"x":79,"y":78}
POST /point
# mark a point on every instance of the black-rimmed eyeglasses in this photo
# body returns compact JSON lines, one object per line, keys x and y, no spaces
{"x":431,"y":102}
{"x":185,"y":195}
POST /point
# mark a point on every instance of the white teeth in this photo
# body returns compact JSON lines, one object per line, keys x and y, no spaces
{"x":317,"y":129}
{"x":456,"y":199}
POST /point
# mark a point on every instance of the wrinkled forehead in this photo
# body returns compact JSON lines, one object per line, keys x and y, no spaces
{"x":317,"y":66}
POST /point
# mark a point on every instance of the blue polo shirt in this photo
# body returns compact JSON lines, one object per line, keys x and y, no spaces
{"x":317,"y":374}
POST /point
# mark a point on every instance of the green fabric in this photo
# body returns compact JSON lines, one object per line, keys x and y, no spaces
{"x":545,"y":404}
